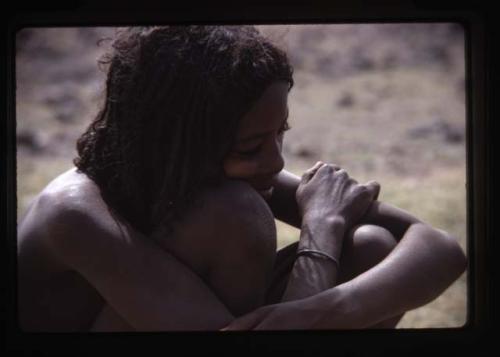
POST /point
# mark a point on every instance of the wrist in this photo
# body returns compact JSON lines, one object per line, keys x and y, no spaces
{"x":333,"y":221}
{"x":326,"y":234}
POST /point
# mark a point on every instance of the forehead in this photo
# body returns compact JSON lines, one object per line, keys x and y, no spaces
{"x":270,"y":110}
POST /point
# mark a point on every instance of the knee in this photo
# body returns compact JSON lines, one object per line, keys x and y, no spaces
{"x":242,"y":213}
{"x":364,"y":247}
{"x":238,"y":202}
{"x":237,"y":198}
{"x":373,"y":240}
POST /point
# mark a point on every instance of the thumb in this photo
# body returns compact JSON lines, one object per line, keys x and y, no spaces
{"x":374,"y":188}
{"x":307,"y":176}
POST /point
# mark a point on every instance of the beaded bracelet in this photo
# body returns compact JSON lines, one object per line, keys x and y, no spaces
{"x":317,"y":252}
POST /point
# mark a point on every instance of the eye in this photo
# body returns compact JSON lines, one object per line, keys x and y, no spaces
{"x":250,"y":152}
{"x":284,"y":128}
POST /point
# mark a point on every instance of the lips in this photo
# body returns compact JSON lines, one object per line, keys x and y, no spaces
{"x":265,"y":190}
{"x":264,"y":185}
{"x":267,"y":193}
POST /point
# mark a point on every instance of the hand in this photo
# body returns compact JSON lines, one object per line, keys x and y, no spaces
{"x":332,"y":309}
{"x":327,"y":192}
{"x":282,"y":316}
{"x":251,"y":320}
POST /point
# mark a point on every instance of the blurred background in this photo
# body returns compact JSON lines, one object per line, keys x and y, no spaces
{"x":384,"y":101}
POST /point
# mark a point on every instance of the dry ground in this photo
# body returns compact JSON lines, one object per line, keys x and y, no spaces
{"x":386,"y":102}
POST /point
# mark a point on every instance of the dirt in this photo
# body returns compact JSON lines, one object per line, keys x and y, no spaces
{"x":384,"y":101}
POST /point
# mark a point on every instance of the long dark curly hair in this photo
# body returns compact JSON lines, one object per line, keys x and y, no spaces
{"x":174,"y":97}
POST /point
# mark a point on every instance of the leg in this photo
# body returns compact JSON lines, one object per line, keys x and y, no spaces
{"x":364,"y":247}
{"x":229,"y":240}
{"x":285,"y":258}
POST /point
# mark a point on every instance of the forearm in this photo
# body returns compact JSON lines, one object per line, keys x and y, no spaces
{"x":322,"y":229}
{"x":284,"y":207}
{"x":421,"y":266}
{"x":312,"y":274}
{"x":418,"y":270}
{"x":283,"y":202}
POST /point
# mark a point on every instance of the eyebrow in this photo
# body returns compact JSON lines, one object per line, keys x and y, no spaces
{"x":261,"y":135}
{"x":254,"y":137}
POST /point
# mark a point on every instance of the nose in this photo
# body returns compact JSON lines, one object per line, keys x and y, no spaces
{"x":275,"y":161}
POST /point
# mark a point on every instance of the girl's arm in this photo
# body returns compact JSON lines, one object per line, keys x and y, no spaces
{"x":143,"y":284}
{"x":283,"y":202}
{"x":330,"y":203}
{"x":418,"y":270}
{"x":284,"y":206}
{"x":423,"y":264}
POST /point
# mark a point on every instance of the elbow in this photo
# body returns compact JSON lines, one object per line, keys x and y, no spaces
{"x":453,"y":253}
{"x":445,"y":250}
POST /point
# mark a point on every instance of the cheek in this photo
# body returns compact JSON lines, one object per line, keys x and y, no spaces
{"x":239,"y":169}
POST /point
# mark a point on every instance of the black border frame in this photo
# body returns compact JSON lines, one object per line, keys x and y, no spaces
{"x":478,"y":26}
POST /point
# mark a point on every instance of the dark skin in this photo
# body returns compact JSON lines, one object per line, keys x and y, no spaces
{"x":89,"y":270}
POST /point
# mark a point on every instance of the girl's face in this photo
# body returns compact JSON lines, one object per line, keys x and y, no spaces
{"x":256,"y":154}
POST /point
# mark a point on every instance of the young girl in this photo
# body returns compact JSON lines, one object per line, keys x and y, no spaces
{"x":167,"y":220}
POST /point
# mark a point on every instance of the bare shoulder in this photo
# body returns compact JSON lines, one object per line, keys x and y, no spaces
{"x":68,"y":207}
{"x":69,"y":197}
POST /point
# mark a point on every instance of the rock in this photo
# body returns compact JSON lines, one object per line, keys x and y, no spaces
{"x":30,"y":140}
{"x":302,"y":151}
{"x":420,"y":132}
{"x":448,"y":132}
{"x":346,"y":100}
{"x":66,"y":115}
{"x":452,"y":134}
{"x":325,"y":65}
{"x":66,"y":105}
{"x":362,"y":62}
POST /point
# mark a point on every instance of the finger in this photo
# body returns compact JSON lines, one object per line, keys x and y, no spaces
{"x":374,"y":188}
{"x":335,"y":167}
{"x":246,"y":322}
{"x":306,"y":177}
{"x":331,"y":168}
{"x":342,"y":173}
